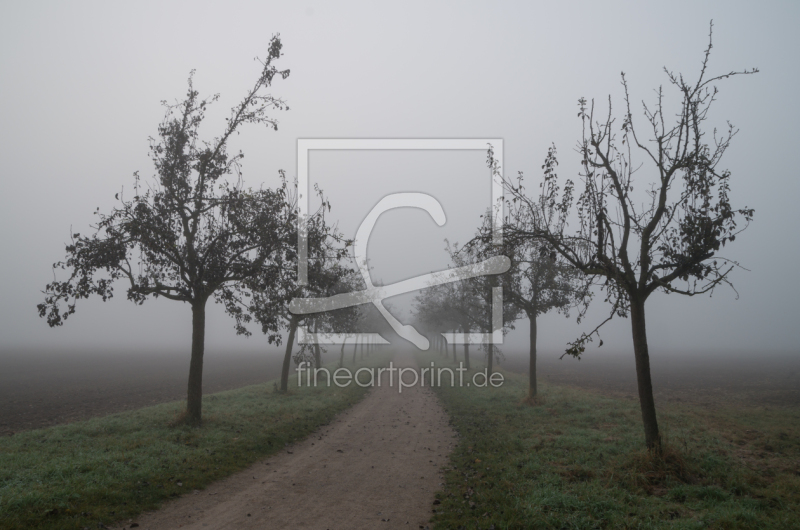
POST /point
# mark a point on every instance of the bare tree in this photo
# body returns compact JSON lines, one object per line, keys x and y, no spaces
{"x":191,"y":234}
{"x":669,"y":236}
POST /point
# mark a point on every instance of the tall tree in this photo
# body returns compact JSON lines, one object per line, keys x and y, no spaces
{"x":192,"y":233}
{"x":665,"y":238}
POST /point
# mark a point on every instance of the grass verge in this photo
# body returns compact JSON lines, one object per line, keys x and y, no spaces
{"x":96,"y":472}
{"x":576,"y":460}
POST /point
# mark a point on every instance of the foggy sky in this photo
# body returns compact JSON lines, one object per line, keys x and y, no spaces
{"x":82,"y":82}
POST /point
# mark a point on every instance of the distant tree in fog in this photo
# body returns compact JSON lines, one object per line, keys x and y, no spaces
{"x":464,"y":301}
{"x":444,"y":307}
{"x":539,"y":281}
{"x":190,"y":234}
{"x":327,"y":276}
{"x":668,"y":236}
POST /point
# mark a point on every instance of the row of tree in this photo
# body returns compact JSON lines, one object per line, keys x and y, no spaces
{"x":196,"y":232}
{"x":537,"y":282}
{"x":570,"y":242}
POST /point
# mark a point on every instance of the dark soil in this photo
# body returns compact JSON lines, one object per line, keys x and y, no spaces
{"x":710,"y":379}
{"x":40,"y":389}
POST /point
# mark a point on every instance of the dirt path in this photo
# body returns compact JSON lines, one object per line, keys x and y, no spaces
{"x":376,"y":466}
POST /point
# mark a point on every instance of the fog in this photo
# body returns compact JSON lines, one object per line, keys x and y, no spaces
{"x":82,"y":84}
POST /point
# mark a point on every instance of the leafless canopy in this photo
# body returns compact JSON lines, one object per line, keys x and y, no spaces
{"x":667,"y":236}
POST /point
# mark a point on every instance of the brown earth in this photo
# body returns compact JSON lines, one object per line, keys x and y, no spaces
{"x":377,"y":465}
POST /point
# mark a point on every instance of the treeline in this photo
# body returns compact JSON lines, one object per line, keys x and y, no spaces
{"x":196,"y":233}
{"x":599,"y":237}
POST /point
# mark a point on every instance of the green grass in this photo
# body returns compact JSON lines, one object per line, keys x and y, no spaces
{"x":576,"y":460}
{"x":114,"y":468}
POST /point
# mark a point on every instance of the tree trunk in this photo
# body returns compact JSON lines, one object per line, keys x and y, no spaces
{"x":341,"y":354}
{"x":466,"y":349}
{"x":194,"y":398}
{"x":532,"y":388}
{"x":490,"y":346}
{"x":287,"y":358}
{"x":652,"y":438}
{"x":317,"y":353}
{"x":355,"y":348}
{"x":455,"y":360}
